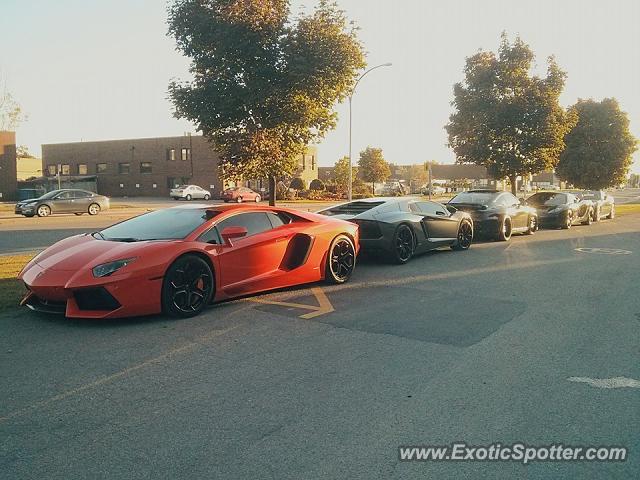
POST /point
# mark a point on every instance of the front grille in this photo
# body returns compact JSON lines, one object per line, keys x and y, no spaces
{"x":46,"y":306}
{"x":369,"y":229}
{"x":95,"y":299}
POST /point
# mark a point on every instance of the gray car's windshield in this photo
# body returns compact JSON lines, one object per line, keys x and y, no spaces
{"x":169,"y":224}
{"x":474,"y":198}
{"x":548,"y":198}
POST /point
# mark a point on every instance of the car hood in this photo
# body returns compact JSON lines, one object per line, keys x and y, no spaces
{"x":80,"y":251}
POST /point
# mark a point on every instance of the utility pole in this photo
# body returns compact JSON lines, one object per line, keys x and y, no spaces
{"x":430,"y":184}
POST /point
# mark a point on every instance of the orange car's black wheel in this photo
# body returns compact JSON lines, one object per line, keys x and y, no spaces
{"x":188,"y":287}
{"x":341,"y":260}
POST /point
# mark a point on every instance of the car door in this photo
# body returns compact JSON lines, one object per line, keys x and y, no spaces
{"x":251,"y":262}
{"x":437,"y":220}
{"x":81,"y":201}
{"x":63,"y":203}
{"x":519,"y":215}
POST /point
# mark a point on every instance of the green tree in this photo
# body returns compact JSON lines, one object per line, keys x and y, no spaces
{"x":317,"y":184}
{"x":297,"y":183}
{"x":506,"y":119}
{"x":599,"y":149}
{"x":341,"y":174}
{"x":416,"y":175}
{"x":372,"y":166}
{"x":264,"y":86}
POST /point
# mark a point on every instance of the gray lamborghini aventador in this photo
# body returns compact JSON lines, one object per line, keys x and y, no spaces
{"x":404,"y":226}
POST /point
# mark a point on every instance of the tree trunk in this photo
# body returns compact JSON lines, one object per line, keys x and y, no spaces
{"x":514,"y":184}
{"x":272,"y":191}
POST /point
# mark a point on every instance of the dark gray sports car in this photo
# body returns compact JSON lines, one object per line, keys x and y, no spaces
{"x":404,"y":226}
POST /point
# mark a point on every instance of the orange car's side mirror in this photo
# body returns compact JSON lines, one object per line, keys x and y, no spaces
{"x":229,"y":233}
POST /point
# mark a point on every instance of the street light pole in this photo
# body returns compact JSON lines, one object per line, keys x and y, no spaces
{"x":353,"y":90}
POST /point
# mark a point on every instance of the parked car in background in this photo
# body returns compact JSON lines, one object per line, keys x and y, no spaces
{"x":401,"y":227}
{"x":63,"y":201}
{"x":496,"y":214}
{"x":435,"y":190}
{"x":560,"y":209}
{"x":603,"y":204}
{"x":239,"y":195}
{"x":189,"y":192}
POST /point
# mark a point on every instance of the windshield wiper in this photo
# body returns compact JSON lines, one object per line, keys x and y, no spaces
{"x":124,"y":239}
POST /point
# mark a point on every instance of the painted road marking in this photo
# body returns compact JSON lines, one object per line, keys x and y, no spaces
{"x":324,"y":305}
{"x":616,"y":382}
{"x":603,"y":251}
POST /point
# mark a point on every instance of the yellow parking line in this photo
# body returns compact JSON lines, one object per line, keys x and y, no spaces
{"x":324,"y":305}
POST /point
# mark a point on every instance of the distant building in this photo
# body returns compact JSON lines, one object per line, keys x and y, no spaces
{"x":145,"y":166}
{"x":8,"y":175}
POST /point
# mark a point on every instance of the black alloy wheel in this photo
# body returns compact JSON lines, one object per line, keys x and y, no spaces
{"x":465,"y":236}
{"x":341,"y":260}
{"x":533,"y":225}
{"x":505,"y":230}
{"x":188,"y":287}
{"x":403,"y":244}
{"x":568,"y":222}
{"x":596,"y":213}
{"x":612,"y":213}
{"x":588,"y":219}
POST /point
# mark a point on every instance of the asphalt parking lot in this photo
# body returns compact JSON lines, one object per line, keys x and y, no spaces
{"x":326,"y":382}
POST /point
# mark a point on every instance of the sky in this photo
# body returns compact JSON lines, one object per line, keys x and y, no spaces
{"x":98,"y":70}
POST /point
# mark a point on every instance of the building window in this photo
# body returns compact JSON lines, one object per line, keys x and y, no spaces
{"x":171,"y":182}
{"x":171,"y":154}
{"x":123,"y":168}
{"x":185,"y":154}
{"x":52,"y":170}
{"x":155,"y":185}
{"x":145,"y":167}
{"x":82,"y":169}
{"x":304,"y":161}
{"x":185,"y":180}
{"x":101,"y":167}
{"x":313,"y":162}
{"x":137,"y":185}
{"x":66,"y":169}
{"x":122,"y":185}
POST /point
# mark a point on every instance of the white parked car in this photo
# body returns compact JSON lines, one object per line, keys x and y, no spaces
{"x":189,"y":192}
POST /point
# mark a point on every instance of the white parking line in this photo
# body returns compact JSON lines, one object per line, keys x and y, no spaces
{"x":615,"y":382}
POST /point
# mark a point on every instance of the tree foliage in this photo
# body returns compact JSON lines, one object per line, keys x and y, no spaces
{"x":341,"y":174}
{"x":505,"y":118}
{"x":11,"y":113}
{"x":599,"y":149}
{"x":297,"y":183}
{"x":263,"y":87}
{"x":317,"y":184}
{"x":372,"y":165}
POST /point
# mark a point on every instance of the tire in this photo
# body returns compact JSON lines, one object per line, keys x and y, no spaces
{"x":188,"y":287}
{"x":44,"y":211}
{"x":94,"y":209}
{"x":612,"y":214}
{"x":176,"y":198}
{"x":78,"y":213}
{"x":568,"y":221}
{"x":29,"y":215}
{"x":533,"y":225}
{"x":239,"y":200}
{"x":341,"y":260}
{"x":257,"y":199}
{"x":465,"y":236}
{"x":206,"y":196}
{"x":404,"y":244}
{"x":596,"y":214}
{"x":506,"y":229}
{"x":589,"y":219}
{"x":188,"y":197}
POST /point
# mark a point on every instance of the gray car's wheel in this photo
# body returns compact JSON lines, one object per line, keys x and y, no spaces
{"x":568,"y":221}
{"x":533,"y":225}
{"x":612,"y":213}
{"x":94,"y":209}
{"x":504,"y":233}
{"x":257,"y":199}
{"x":188,"y":287}
{"x":465,"y":236}
{"x":44,"y":211}
{"x":206,"y":196}
{"x":596,"y":213}
{"x":403,"y":245}
{"x":188,"y":197}
{"x":588,"y":219}
{"x":341,"y":260}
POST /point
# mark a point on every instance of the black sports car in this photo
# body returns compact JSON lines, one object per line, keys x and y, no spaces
{"x":496,"y":214}
{"x":561,"y":209}
{"x":603,"y":204}
{"x":404,"y":226}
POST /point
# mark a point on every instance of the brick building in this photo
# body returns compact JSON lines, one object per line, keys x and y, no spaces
{"x":8,"y":174}
{"x":148,"y":166}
